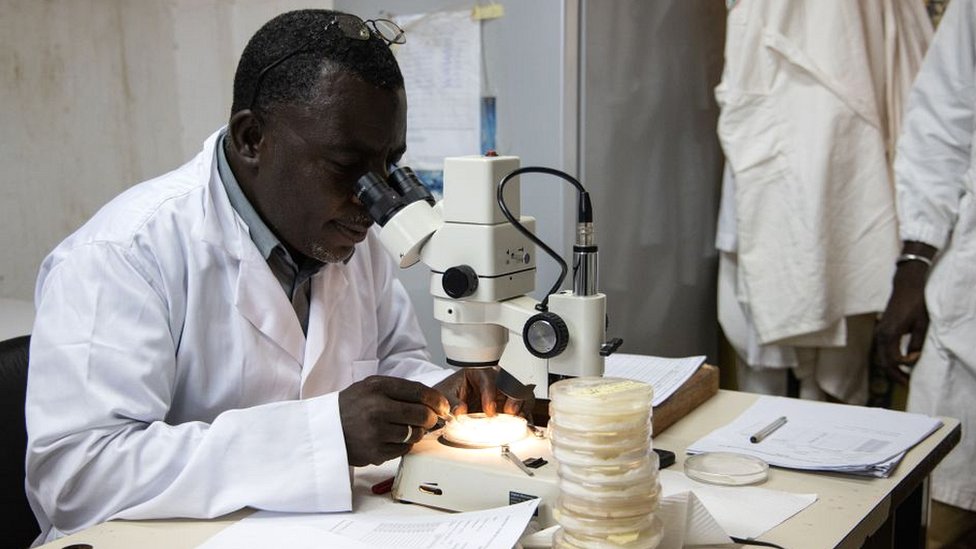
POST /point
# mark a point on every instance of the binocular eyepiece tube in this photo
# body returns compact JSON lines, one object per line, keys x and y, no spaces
{"x":384,"y":198}
{"x":411,"y":188}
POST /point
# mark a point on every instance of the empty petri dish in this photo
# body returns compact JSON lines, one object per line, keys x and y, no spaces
{"x":726,"y":468}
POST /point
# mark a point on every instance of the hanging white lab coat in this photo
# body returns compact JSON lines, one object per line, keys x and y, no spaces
{"x":810,"y":101}
{"x":936,"y":177}
{"x":169,"y":374}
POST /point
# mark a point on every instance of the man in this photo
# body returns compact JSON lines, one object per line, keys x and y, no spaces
{"x":208,"y":341}
{"x":936,"y":273}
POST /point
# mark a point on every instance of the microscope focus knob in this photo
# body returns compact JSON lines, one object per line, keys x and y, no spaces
{"x":460,"y":281}
{"x":545,"y":335}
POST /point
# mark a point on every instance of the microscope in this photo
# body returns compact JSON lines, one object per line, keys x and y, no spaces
{"x":481,"y":256}
{"x":480,"y":251}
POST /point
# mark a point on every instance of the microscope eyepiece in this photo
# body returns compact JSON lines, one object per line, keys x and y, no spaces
{"x":380,"y":200}
{"x":405,"y":181}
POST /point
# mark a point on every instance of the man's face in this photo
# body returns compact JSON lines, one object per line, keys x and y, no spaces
{"x":310,"y":156}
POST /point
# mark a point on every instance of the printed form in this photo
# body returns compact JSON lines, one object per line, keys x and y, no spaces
{"x":821,"y":436}
{"x":666,"y":375}
{"x":441,"y":66}
{"x":500,"y":527}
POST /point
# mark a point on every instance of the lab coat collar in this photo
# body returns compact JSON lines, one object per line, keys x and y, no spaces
{"x":258,"y":296}
{"x":221,"y":225}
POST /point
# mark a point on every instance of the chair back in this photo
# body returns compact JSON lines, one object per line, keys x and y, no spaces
{"x":21,"y":526}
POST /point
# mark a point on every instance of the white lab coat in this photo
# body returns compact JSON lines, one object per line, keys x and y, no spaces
{"x":170,"y":377}
{"x":810,"y":102}
{"x":936,"y":178}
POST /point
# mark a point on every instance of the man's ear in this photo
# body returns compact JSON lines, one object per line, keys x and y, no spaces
{"x":246,"y":133}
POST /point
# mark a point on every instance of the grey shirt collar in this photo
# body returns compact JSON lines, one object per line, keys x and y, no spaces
{"x":263,"y":238}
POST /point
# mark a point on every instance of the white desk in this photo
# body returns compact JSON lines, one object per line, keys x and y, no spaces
{"x":16,"y":317}
{"x":849,"y":509}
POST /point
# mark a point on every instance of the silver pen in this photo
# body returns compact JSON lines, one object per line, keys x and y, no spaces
{"x":768,"y":430}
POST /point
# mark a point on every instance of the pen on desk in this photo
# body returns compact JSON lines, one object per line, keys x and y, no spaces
{"x":768,"y":430}
{"x":383,"y":486}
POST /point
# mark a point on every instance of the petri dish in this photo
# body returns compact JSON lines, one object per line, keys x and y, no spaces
{"x":480,"y":431}
{"x":646,"y":538}
{"x":614,"y":476}
{"x":599,"y":439}
{"x":600,"y":396}
{"x":585,"y":458}
{"x":591,"y":526}
{"x":726,"y":468}
{"x":630,"y":507}
{"x":596,"y":494}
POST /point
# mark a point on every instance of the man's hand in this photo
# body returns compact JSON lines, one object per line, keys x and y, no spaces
{"x":473,"y":390}
{"x":382,"y":417}
{"x":906,"y":314}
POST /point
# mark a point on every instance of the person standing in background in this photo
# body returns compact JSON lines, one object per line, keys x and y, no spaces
{"x":810,"y":103}
{"x":927,"y":334}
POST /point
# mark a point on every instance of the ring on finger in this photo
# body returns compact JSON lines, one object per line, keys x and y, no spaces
{"x":409,"y":435}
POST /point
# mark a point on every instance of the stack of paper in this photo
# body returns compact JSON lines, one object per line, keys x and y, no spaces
{"x":500,"y":527}
{"x":822,"y":437}
{"x":666,"y":375}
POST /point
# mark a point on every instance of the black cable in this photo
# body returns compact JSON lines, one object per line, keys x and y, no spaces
{"x":743,"y":541}
{"x":544,"y":305}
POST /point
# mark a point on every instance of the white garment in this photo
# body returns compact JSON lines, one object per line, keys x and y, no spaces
{"x":809,"y":99}
{"x":936,"y":177}
{"x":822,"y":367}
{"x":167,"y":364}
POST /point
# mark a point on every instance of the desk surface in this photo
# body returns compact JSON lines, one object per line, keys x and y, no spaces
{"x":848,"y":509}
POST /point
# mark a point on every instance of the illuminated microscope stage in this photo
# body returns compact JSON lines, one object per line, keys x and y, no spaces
{"x":439,"y":473}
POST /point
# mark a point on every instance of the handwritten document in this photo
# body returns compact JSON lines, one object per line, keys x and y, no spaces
{"x":499,"y":527}
{"x":666,"y":375}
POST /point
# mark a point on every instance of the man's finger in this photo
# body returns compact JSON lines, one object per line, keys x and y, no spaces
{"x":917,"y":339}
{"x":407,"y":434}
{"x":482,"y":380}
{"x":412,"y":413}
{"x":462,"y":393}
{"x":399,"y":433}
{"x":488,"y":406}
{"x":896,"y":374}
{"x":389,"y":451}
{"x":911,"y":358}
{"x":405,"y":390}
{"x":512,"y":406}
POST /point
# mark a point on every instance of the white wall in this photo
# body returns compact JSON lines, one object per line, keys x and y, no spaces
{"x":96,"y":95}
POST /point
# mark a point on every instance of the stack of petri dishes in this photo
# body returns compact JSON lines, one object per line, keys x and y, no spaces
{"x":600,"y":432}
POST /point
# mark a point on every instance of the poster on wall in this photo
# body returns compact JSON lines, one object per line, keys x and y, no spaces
{"x":441,"y":65}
